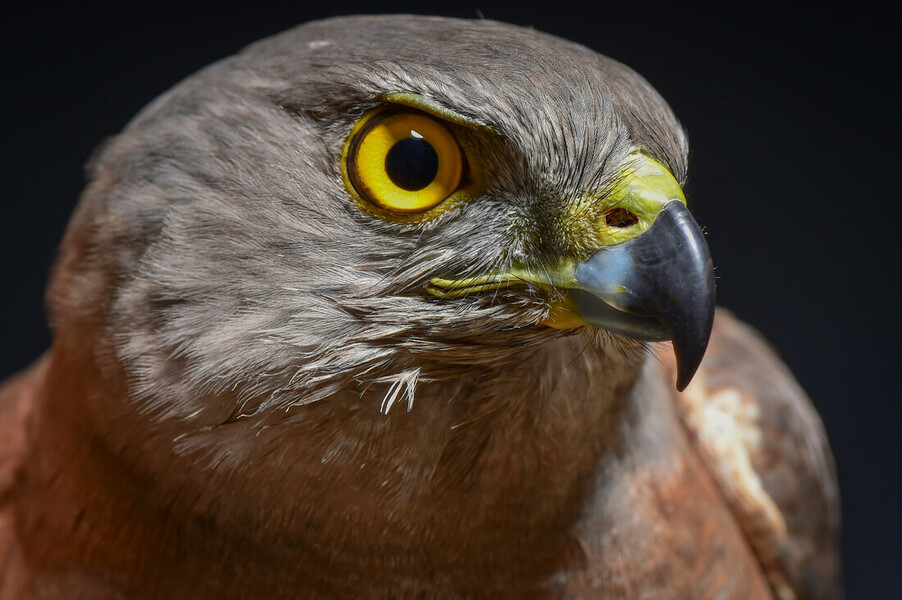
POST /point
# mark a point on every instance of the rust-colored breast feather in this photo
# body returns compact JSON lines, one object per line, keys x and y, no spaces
{"x":762,"y":442}
{"x":17,"y":400}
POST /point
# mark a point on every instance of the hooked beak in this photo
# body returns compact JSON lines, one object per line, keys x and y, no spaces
{"x":658,"y":286}
{"x":651,"y":277}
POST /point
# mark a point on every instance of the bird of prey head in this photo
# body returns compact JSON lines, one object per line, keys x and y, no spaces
{"x":274,"y":240}
{"x":479,"y":221}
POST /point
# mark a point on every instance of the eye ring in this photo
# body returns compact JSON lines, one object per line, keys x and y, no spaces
{"x":404,"y":161}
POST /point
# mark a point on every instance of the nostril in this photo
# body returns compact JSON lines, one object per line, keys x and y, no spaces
{"x":620,"y":217}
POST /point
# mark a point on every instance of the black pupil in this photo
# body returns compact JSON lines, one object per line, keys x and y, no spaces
{"x":411,"y":164}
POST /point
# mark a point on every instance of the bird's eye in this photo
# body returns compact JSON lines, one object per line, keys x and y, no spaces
{"x":404,"y":161}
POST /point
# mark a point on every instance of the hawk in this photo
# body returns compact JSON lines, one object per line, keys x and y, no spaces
{"x":393,"y":307}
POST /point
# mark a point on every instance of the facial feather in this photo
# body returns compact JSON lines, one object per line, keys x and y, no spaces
{"x":244,"y":271}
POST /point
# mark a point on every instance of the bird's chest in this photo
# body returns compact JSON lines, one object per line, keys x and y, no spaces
{"x":568,"y":476}
{"x":481,"y":485}
{"x":594,"y":490}
{"x":655,"y":525}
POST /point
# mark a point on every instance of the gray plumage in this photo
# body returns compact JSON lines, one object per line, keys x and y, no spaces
{"x":243,"y":213}
{"x":301,"y":417}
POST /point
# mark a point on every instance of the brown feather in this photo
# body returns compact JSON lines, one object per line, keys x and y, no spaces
{"x":213,"y":419}
{"x":765,"y":446}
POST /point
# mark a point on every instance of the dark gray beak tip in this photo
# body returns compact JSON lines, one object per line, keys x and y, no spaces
{"x":690,"y":275}
{"x":670,"y":277}
{"x":689,"y":345}
{"x":684,"y":376}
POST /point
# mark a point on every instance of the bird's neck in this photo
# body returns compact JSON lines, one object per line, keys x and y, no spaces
{"x":480,"y":481}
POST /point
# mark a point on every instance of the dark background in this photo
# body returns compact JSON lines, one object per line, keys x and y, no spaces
{"x":791,"y":119}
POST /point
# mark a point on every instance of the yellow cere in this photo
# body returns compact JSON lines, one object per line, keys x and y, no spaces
{"x":645,"y":187}
{"x":642,"y":190}
{"x":404,"y":161}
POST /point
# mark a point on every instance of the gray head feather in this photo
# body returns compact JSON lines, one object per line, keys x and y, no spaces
{"x":236,"y":264}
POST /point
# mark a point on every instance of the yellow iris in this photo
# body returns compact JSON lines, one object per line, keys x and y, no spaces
{"x":404,"y":161}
